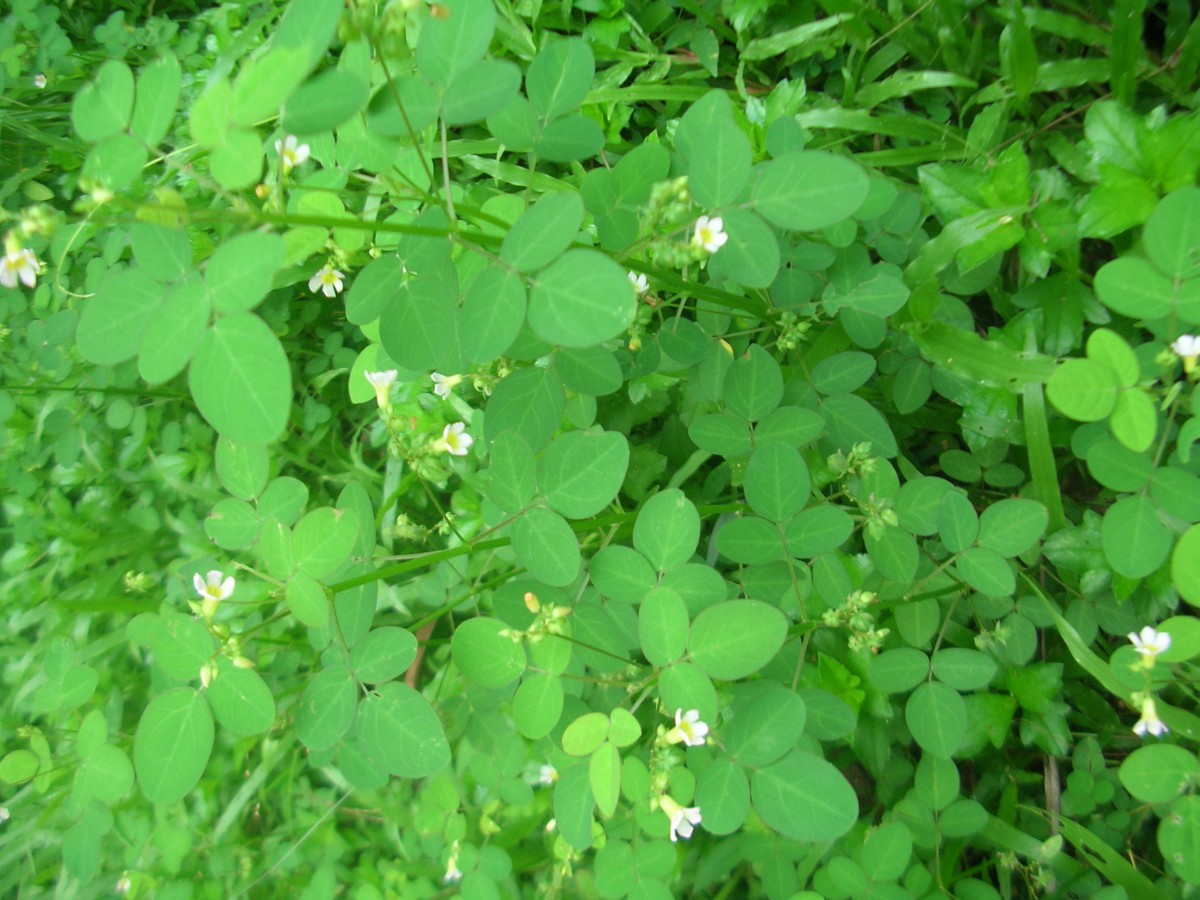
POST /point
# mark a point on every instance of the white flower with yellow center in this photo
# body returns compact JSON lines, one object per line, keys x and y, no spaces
{"x":453,"y":875}
{"x":1150,"y":723}
{"x":684,"y":819}
{"x":291,"y":153}
{"x":1187,"y":348}
{"x":212,"y":589}
{"x":641,"y":284}
{"x":19,"y":264}
{"x":443,"y":385}
{"x":327,"y":281}
{"x":39,"y":81}
{"x":688,"y":730}
{"x":1150,"y":643}
{"x":382,"y":382}
{"x":710,"y":233}
{"x":455,"y":440}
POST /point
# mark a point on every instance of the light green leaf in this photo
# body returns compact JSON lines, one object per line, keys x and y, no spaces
{"x":239,"y":274}
{"x":1135,"y":541}
{"x":308,"y":601}
{"x":400,"y":733}
{"x":1173,"y":233}
{"x":241,"y":700}
{"x":559,"y":76}
{"x":103,"y":106}
{"x":484,"y":655}
{"x":538,"y":705}
{"x":237,"y":163}
{"x":171,"y":747}
{"x":323,"y":540}
{"x":808,"y":190}
{"x":546,"y":545}
{"x":264,"y":84}
{"x":157,"y":96}
{"x":667,"y":530}
{"x":776,"y":481}
{"x":324,"y":102}
{"x":1011,"y":526}
{"x":326,"y":709}
{"x":723,"y":794}
{"x":479,"y":91}
{"x":1083,"y":389}
{"x":113,"y":322}
{"x":543,"y":232}
{"x":1185,"y":566}
{"x":604,"y":776}
{"x":374,"y":285}
{"x":1132,"y":287}
{"x":737,"y":638}
{"x":753,"y":385}
{"x":663,"y":626}
{"x":456,"y":39}
{"x":241,"y":380}
{"x":751,"y":254}
{"x":585,"y":734}
{"x":581,"y":472}
{"x":804,"y":798}
{"x":383,"y":654}
{"x":582,"y":299}
{"x":568,"y":139}
{"x":1159,"y":773}
{"x":937,"y":717}
{"x":174,"y":330}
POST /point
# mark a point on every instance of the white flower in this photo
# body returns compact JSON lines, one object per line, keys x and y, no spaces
{"x":291,"y":152}
{"x":215,"y":586}
{"x":382,"y":382}
{"x":39,"y":81}
{"x":444,"y":384}
{"x":455,"y":440}
{"x":1187,"y":347}
{"x":547,"y":775}
{"x":213,"y":589}
{"x":639,"y":281}
{"x":123,"y":885}
{"x":1150,"y":722}
{"x":19,"y":264}
{"x":710,"y":233}
{"x":1149,"y":642}
{"x":327,"y":281}
{"x":4,"y":814}
{"x":453,"y":875}
{"x":684,"y":819}
{"x":688,"y":730}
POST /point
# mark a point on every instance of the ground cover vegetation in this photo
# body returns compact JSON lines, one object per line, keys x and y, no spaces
{"x":600,"y":448}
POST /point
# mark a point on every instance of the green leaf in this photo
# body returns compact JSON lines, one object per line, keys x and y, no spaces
{"x":264,"y":84}
{"x":1134,"y":288}
{"x":511,"y":467}
{"x":1185,"y":566}
{"x":804,"y":798}
{"x":308,"y":601}
{"x":590,"y":370}
{"x":937,"y":717}
{"x":242,"y":468}
{"x":232,"y":524}
{"x":479,"y":91}
{"x":849,"y":420}
{"x":818,"y":530}
{"x":749,"y":540}
{"x":237,"y":164}
{"x":573,"y":805}
{"x":568,"y":139}
{"x":492,"y":314}
{"x":103,"y":106}
{"x":1012,"y":526}
{"x":327,"y":709}
{"x":210,"y":114}
{"x":1108,"y":347}
{"x":19,"y":766}
{"x":718,"y":157}
{"x":721,"y":433}
{"x":585,"y":734}
{"x":1135,"y":541}
{"x":241,"y":380}
{"x":323,"y":540}
{"x":543,"y":232}
{"x":582,"y":299}
{"x":987,"y":572}
{"x":239,"y":274}
{"x":182,"y":645}
{"x":113,"y":322}
{"x":899,"y":670}
{"x":963,"y":669}
{"x":116,"y":162}
{"x":768,"y":721}
{"x":157,"y":96}
{"x":161,"y":252}
{"x":737,"y":638}
{"x":1173,"y":233}
{"x":684,"y":686}
{"x":310,"y":24}
{"x":621,"y":573}
{"x":776,"y":481}
{"x":808,"y":190}
{"x":991,"y":363}
{"x":604,"y":776}
{"x":751,"y":254}
{"x":456,"y":39}
{"x":1134,"y":419}
{"x":538,"y":705}
{"x":385,"y":653}
{"x":667,"y":530}
{"x":171,"y":747}
{"x":843,"y":372}
{"x":545,"y":544}
{"x":400,"y":733}
{"x":560,"y":76}
{"x":174,"y":330}
{"x":326,"y":101}
{"x":484,"y":655}
{"x":105,"y":774}
{"x":241,"y":700}
{"x":723,"y":794}
{"x":581,"y":472}
{"x":887,"y":851}
{"x":1083,"y":389}
{"x":753,"y":385}
{"x":1159,"y":773}
{"x":958,"y":523}
{"x":529,"y":402}
{"x":375,"y":284}
{"x":623,"y":728}
{"x":663,"y":626}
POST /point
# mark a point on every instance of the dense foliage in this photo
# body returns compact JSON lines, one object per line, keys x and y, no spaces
{"x":606,"y":448}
